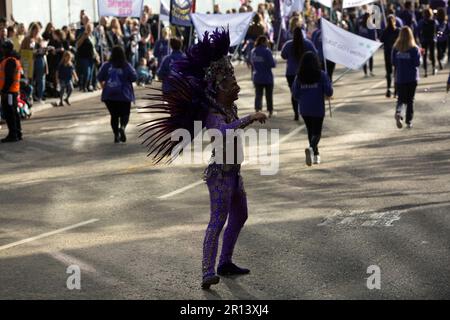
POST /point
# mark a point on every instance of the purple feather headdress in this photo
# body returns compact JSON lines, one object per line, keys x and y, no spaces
{"x":193,"y":81}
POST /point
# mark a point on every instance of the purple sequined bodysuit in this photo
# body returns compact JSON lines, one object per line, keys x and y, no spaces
{"x":227,"y":197}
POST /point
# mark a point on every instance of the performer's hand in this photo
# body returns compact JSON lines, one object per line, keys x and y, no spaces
{"x":260,"y":117}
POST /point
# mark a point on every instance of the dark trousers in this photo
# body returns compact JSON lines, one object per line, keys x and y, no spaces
{"x":388,"y":65}
{"x":370,"y":66}
{"x":314,"y":127}
{"x":290,"y":80}
{"x":120,"y":114}
{"x":259,"y":88}
{"x":406,"y":93}
{"x":330,"y":68}
{"x":11,"y":115}
{"x":428,"y":47}
{"x":441,"y":48}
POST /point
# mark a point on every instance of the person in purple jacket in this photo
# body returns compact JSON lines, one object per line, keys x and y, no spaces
{"x":262,"y":64}
{"x":406,"y":60}
{"x":166,"y":64}
{"x":310,"y":88}
{"x":116,"y":78}
{"x":293,"y":51}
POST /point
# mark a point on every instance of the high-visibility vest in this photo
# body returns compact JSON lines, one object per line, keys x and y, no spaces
{"x":15,"y":86}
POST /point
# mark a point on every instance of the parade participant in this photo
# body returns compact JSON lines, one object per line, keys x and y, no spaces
{"x":426,"y":30}
{"x":206,"y":90}
{"x":116,"y":78}
{"x":164,"y":69}
{"x":10,"y":71}
{"x":389,"y":36}
{"x":327,"y":65}
{"x":162,"y":47}
{"x":293,"y":51}
{"x":406,"y":60}
{"x":309,"y":89}
{"x":262,"y":64}
{"x":442,"y":33}
{"x":364,"y":31}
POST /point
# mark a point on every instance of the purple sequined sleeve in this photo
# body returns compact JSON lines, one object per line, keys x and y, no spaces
{"x":217,"y":121}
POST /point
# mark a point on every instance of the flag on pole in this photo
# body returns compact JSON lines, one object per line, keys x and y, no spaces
{"x":326,"y":3}
{"x":164,"y":11}
{"x":289,"y":6}
{"x":355,"y":3}
{"x":237,"y":24}
{"x":346,"y":48}
{"x":180,"y":11}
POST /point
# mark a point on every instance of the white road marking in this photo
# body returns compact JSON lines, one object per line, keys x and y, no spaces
{"x":69,"y":260}
{"x":191,"y":186}
{"x":48,"y":234}
{"x":363,"y":219}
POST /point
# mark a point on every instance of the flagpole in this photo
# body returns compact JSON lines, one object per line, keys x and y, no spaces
{"x":159,"y":21}
{"x":384,"y":13}
{"x":326,"y":67}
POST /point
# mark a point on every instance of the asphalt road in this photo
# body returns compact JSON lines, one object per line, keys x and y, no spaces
{"x":69,"y":196}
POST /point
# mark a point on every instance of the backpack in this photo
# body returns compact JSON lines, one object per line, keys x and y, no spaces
{"x":114,"y":84}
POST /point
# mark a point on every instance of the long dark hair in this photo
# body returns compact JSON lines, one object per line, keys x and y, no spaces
{"x":118,"y":58}
{"x":261,"y":40}
{"x":298,"y":43}
{"x":310,"y":71}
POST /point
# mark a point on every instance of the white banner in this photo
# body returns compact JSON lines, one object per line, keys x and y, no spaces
{"x":346,"y":48}
{"x":289,"y":6}
{"x":326,"y":3}
{"x":164,"y":11}
{"x":237,"y":23}
{"x":355,"y":3}
{"x":120,"y":8}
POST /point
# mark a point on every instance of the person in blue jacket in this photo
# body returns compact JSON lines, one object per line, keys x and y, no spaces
{"x":406,"y":60}
{"x":262,"y":63}
{"x":116,"y":78}
{"x":310,"y":88}
{"x":293,"y":51}
{"x":165,"y":67}
{"x":388,"y":37}
{"x":367,"y":33}
{"x":327,"y":65}
{"x":426,"y":30}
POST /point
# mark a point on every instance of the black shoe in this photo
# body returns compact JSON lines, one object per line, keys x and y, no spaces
{"x":116,"y":138}
{"x":388,"y":94}
{"x":209,"y":281}
{"x":230,"y":269}
{"x":67,"y":101}
{"x":296,"y":118}
{"x":123,"y":137}
{"x":9,"y":139}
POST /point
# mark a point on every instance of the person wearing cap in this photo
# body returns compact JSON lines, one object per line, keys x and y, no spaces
{"x":10,"y":72}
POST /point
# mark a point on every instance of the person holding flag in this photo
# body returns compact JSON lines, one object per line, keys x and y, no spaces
{"x":293,"y":51}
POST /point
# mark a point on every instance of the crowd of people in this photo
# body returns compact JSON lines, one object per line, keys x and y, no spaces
{"x":72,"y":56}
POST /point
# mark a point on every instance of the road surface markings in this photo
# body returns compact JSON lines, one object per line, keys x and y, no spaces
{"x":174,"y":193}
{"x":48,"y":234}
{"x":68,"y":260}
{"x":362,"y":218}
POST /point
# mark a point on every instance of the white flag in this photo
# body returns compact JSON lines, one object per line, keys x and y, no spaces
{"x":326,"y":3}
{"x":120,"y":8}
{"x":355,"y":3}
{"x":164,"y":11}
{"x":237,"y":23}
{"x":346,"y":48}
{"x":289,"y":6}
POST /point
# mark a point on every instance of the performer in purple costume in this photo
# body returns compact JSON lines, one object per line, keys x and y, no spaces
{"x":205,"y":89}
